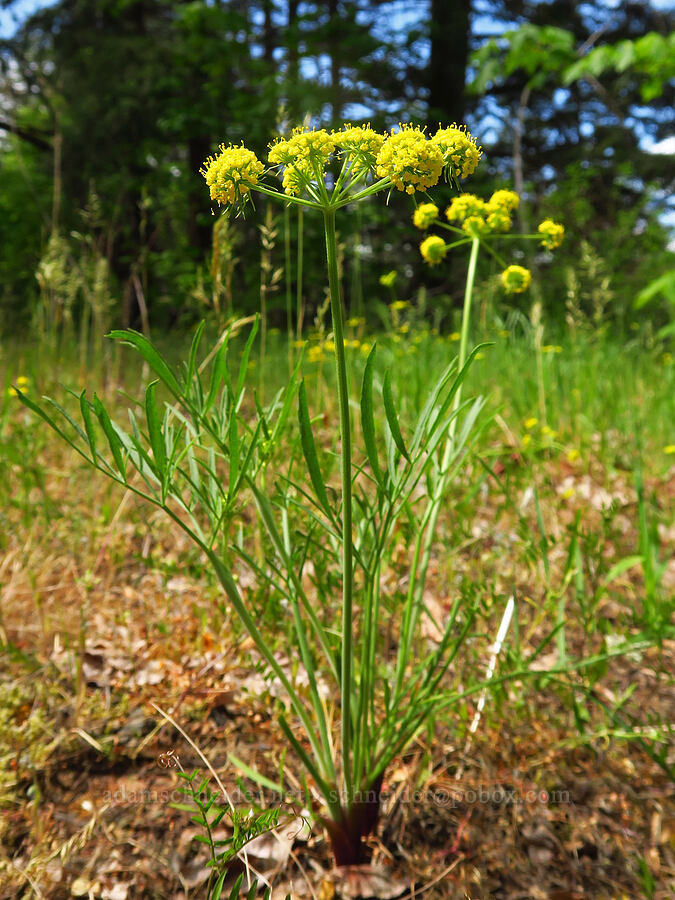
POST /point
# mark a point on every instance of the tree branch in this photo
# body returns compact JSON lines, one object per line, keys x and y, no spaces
{"x":26,"y":135}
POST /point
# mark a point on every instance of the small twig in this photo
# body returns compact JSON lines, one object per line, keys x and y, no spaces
{"x":199,"y":753}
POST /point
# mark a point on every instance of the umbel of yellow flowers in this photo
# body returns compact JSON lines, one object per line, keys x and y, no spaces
{"x":478,"y":219}
{"x":405,"y":158}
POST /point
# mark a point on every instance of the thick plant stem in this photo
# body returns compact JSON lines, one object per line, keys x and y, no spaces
{"x":300,"y":307}
{"x":346,"y":472}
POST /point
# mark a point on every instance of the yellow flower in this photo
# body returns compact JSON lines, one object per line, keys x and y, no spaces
{"x":315,"y":354}
{"x":527,"y":440}
{"x":366,"y":348}
{"x":531,"y":422}
{"x":388,"y":279}
{"x":399,"y":304}
{"x":552,"y":234}
{"x":433,"y":249}
{"x":425,"y":215}
{"x":464,"y":206}
{"x":412,"y":162}
{"x":455,"y":336}
{"x":355,"y":321}
{"x":516,"y":279}
{"x":505,"y":200}
{"x":498,"y":220}
{"x":304,"y":156}
{"x":459,"y":150}
{"x":669,"y":449}
{"x":551,"y":348}
{"x":231,"y":174}
{"x":361,"y":145}
{"x":573,"y":455}
{"x":476,"y":226}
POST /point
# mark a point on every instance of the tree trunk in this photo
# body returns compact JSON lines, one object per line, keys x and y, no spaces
{"x":449,"y":33}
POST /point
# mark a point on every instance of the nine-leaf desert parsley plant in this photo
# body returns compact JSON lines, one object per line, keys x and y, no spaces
{"x":202,"y":453}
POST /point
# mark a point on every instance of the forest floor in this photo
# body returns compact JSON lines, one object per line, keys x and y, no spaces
{"x":109,"y":620}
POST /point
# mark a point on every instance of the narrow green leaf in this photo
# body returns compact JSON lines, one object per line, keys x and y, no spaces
{"x":88,"y":424}
{"x":153,"y":358}
{"x":253,"y":891}
{"x":234,"y":455}
{"x":254,"y":775}
{"x":192,"y":359}
{"x":392,"y":418}
{"x":309,"y":451}
{"x":367,"y":417}
{"x":155,"y":429}
{"x":244,"y":363}
{"x":183,"y":807}
{"x":218,"y":372}
{"x":218,"y":886}
{"x":114,"y":441}
{"x":201,"y":838}
{"x":234,"y":895}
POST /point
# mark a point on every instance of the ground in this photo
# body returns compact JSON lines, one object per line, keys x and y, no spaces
{"x":109,"y":621}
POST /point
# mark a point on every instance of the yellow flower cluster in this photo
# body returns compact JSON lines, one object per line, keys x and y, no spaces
{"x":516,"y":279}
{"x":459,"y":150}
{"x":410,"y":160}
{"x":552,"y":234}
{"x":494,"y":216}
{"x":464,"y":206}
{"x":476,"y":226}
{"x":433,"y":249}
{"x":425,"y":215}
{"x":506,"y":200}
{"x":388,"y":279}
{"x":304,"y":156}
{"x":499,"y":208}
{"x":22,"y":383}
{"x":361,"y":145}
{"x":231,"y":174}
{"x":498,"y":220}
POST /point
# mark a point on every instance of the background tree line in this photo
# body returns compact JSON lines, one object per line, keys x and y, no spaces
{"x":108,"y":108}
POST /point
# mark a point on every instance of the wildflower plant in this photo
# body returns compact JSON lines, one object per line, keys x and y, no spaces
{"x":208,"y":451}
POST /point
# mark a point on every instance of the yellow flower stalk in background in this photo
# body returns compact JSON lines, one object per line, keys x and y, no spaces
{"x":516,"y":279}
{"x":433,"y":249}
{"x":425,"y":215}
{"x":552,"y":234}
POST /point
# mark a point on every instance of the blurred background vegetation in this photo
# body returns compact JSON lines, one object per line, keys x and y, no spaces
{"x":108,"y":108}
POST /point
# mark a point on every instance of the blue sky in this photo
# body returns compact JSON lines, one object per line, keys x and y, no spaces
{"x":23,"y":8}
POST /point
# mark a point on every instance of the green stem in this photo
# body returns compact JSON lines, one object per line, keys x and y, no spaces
{"x":300,"y":309}
{"x":466,"y":316}
{"x":346,"y":472}
{"x":287,"y":273}
{"x":422,"y":554}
